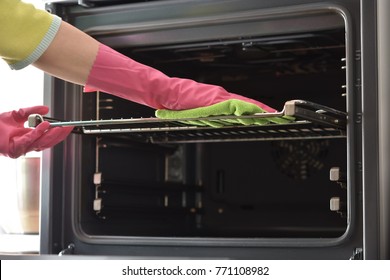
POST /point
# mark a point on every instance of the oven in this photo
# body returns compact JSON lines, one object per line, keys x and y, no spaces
{"x":128,"y":184}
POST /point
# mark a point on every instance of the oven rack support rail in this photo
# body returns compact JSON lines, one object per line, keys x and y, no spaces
{"x":311,"y":121}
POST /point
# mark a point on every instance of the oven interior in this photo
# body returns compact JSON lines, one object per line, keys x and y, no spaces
{"x":256,"y":187}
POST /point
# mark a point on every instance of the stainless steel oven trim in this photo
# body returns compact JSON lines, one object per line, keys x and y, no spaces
{"x":383,"y":43}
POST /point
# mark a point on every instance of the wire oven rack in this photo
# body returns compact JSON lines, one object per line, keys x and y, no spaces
{"x":311,"y":121}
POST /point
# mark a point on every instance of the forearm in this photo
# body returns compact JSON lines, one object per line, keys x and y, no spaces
{"x":70,"y":56}
{"x":32,"y":36}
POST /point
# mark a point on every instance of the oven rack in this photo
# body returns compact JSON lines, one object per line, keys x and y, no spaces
{"x":311,"y":121}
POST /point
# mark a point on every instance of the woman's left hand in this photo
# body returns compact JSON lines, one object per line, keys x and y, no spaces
{"x":17,"y":140}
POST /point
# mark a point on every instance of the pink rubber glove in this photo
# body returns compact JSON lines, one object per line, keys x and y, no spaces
{"x":16,"y":140}
{"x":119,"y":75}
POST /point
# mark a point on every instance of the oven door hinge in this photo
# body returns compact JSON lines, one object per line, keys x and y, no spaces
{"x":357,"y":254}
{"x":67,"y":251}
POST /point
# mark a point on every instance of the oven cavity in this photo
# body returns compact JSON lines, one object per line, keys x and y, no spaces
{"x":155,"y":178}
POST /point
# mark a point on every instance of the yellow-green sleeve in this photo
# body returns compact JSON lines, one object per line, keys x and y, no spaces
{"x":25,"y":32}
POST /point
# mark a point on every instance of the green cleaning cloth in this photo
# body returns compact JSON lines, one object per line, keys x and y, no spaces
{"x":226,"y":108}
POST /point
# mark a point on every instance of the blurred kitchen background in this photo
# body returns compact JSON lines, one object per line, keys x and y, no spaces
{"x":20,"y":178}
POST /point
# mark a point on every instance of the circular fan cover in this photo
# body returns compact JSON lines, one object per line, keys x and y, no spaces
{"x":299,"y":159}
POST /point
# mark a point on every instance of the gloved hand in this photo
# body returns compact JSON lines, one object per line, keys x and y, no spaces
{"x":119,"y":75}
{"x":16,"y":140}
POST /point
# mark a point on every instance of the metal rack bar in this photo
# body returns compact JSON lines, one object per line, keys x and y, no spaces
{"x":312,"y":121}
{"x":133,"y":121}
